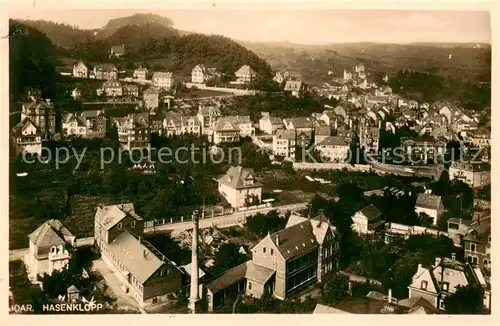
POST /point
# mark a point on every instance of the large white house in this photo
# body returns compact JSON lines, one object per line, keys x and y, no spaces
{"x":48,"y":249}
{"x":333,"y":148}
{"x":27,"y":137}
{"x":239,"y":187}
{"x":366,"y":220}
{"x":163,"y":80}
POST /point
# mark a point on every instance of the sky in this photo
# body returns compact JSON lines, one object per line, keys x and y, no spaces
{"x":312,"y":26}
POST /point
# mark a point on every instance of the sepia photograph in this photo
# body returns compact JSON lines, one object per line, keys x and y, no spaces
{"x":260,"y":161}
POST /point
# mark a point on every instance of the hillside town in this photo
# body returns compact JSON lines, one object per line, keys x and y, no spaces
{"x":364,"y":202}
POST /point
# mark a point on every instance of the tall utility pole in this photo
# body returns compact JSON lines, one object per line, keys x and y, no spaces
{"x":194,"y":293}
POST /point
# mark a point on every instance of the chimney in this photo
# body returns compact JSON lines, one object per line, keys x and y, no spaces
{"x":437,"y":261}
{"x":389,"y":296}
{"x":139,"y":239}
{"x":349,"y":289}
{"x":277,"y":240}
{"x":428,"y":191}
{"x":419,"y":268}
{"x":101,"y":206}
{"x":453,"y":258}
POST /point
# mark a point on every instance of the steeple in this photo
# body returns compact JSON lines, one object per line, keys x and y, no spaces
{"x":194,"y":295}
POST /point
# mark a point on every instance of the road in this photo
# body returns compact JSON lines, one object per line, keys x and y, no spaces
{"x":219,"y":220}
{"x":17,"y":254}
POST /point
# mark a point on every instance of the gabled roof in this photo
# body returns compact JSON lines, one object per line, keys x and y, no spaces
{"x":293,"y":85}
{"x":18,"y":129}
{"x":88,"y":114}
{"x":109,"y":216}
{"x":106,"y":67}
{"x":295,"y":240}
{"x":51,"y":233}
{"x":72,"y":117}
{"x":429,"y":201}
{"x":299,"y":122}
{"x":152,"y":90}
{"x":226,"y":125}
{"x":245,"y":70}
{"x":319,"y":225}
{"x":228,"y":278}
{"x":162,"y":74}
{"x":333,"y":141}
{"x":138,"y":259}
{"x":209,"y":110}
{"x":258,"y":273}
{"x":371,"y":212}
{"x":285,"y":134}
{"x":235,"y":177}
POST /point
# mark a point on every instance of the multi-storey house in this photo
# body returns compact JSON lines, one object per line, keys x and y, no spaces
{"x":429,"y":204}
{"x":476,"y":175}
{"x":245,"y":75}
{"x":112,"y":88}
{"x":208,"y":116}
{"x":440,"y":280}
{"x":105,"y":71}
{"x":48,"y":249}
{"x":333,"y":148}
{"x":201,"y":74}
{"x":284,"y":143}
{"x":42,"y":114}
{"x":239,"y":187}
{"x":367,"y":220}
{"x":140,"y":73}
{"x":81,"y":69}
{"x":269,"y":124}
{"x":226,"y":131}
{"x":151,"y":97}
{"x":133,"y":130}
{"x":144,"y":273}
{"x":163,"y":80}
{"x":131,"y":90}
{"x":27,"y":137}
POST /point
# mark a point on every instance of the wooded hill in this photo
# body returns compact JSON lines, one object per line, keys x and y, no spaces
{"x":151,"y":39}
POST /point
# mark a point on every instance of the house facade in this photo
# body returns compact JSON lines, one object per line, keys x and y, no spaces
{"x":367,"y":220}
{"x":201,"y":74}
{"x":133,"y":130}
{"x":140,"y":73}
{"x":208,"y":116}
{"x":440,"y":280}
{"x":106,"y":71}
{"x":333,"y":148}
{"x":239,"y":187}
{"x":473,"y":174}
{"x":284,"y":143}
{"x":81,"y":70}
{"x":42,"y":114}
{"x":151,"y":98}
{"x":112,"y":88}
{"x":144,"y":273}
{"x":270,"y":124}
{"x":163,"y":80}
{"x":27,"y":137}
{"x":245,"y":74}
{"x":423,"y":148}
{"x":477,"y":244}
{"x":430,"y":204}
{"x":295,"y":88}
{"x":48,"y":249}
{"x":131,"y":90}
{"x":283,"y":263}
{"x":226,"y":131}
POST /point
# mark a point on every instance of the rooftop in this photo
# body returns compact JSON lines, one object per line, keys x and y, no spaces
{"x":109,"y":216}
{"x":428,"y":201}
{"x":295,"y":240}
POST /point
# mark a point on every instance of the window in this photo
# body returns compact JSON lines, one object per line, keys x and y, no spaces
{"x":272,"y":251}
{"x":119,"y":226}
{"x":446,"y":286}
{"x":264,"y":250}
{"x":132,"y":224}
{"x":423,"y":285}
{"x":249,"y":285}
{"x":473,"y":247}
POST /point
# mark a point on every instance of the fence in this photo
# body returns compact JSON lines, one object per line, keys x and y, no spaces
{"x":234,"y":91}
{"x":332,"y":166}
{"x":182,"y":219}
